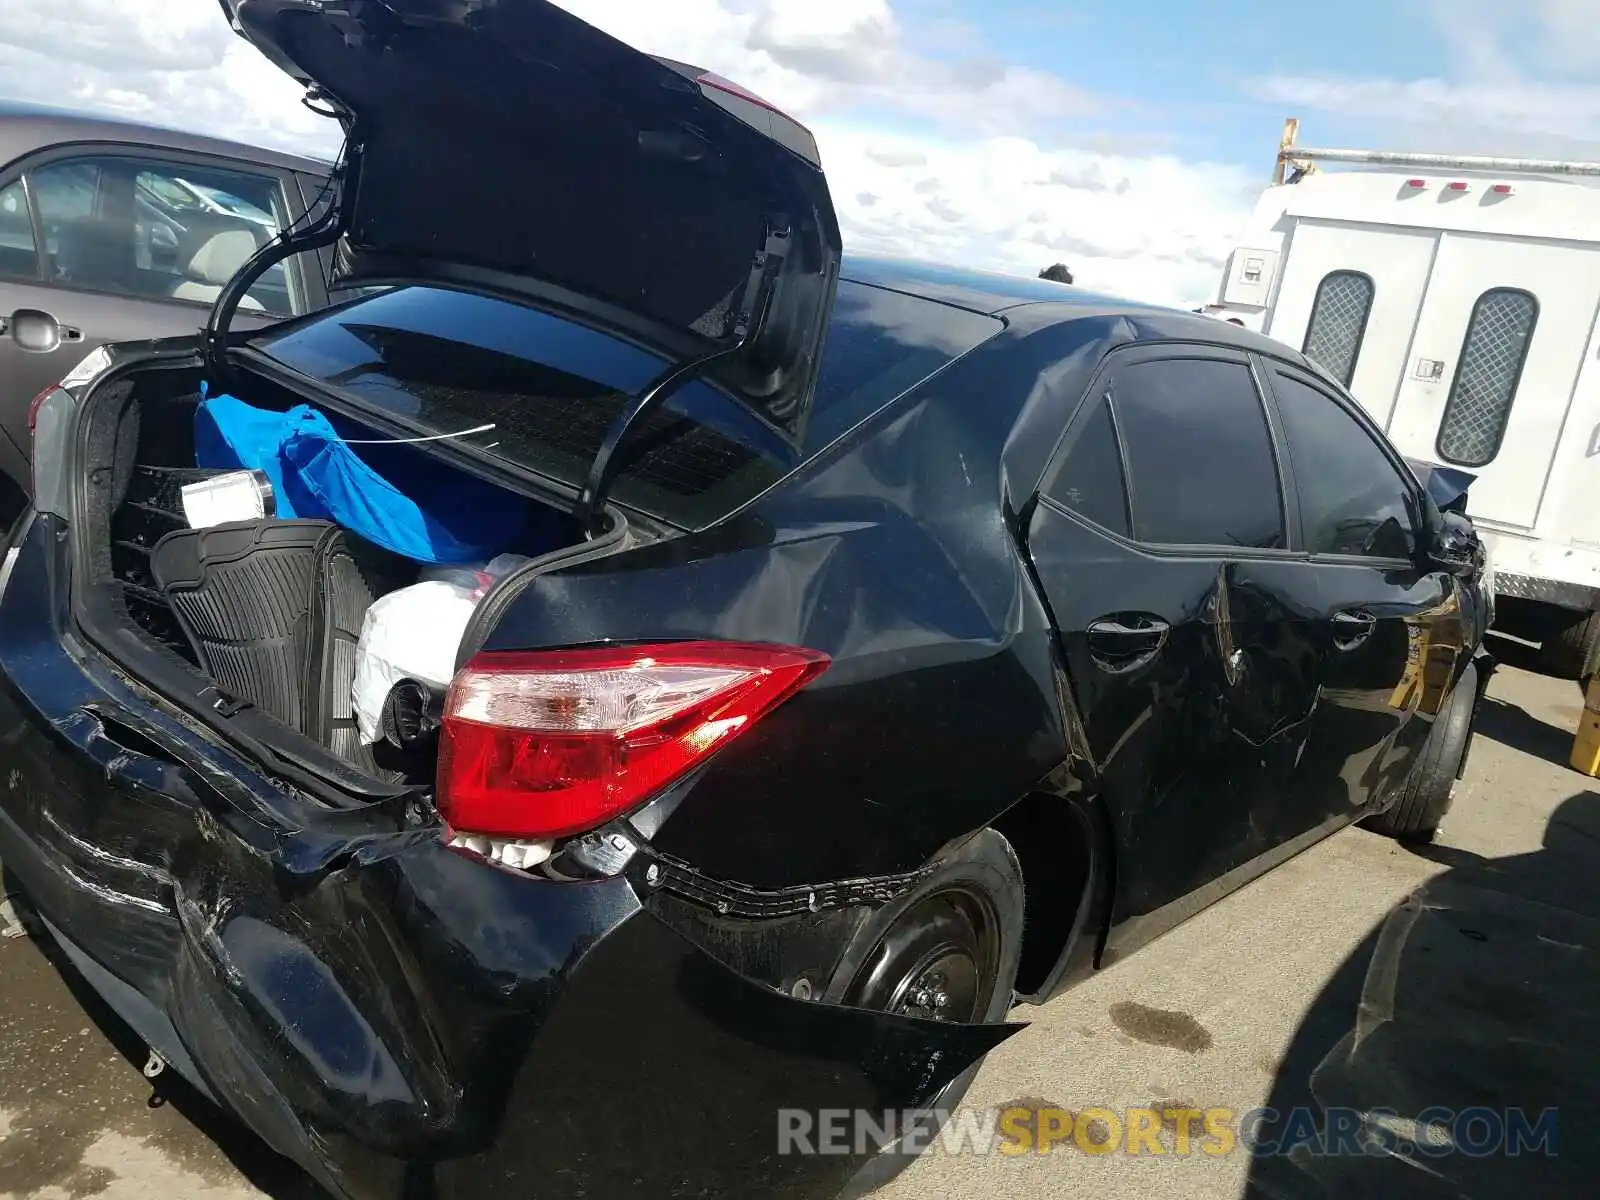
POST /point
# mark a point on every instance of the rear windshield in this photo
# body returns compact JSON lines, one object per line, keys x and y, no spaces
{"x":447,"y":362}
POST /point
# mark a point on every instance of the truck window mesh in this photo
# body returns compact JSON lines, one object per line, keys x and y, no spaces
{"x":1496,"y":346}
{"x":1338,"y":322}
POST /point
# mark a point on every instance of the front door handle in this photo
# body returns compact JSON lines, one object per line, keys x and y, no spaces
{"x":1125,"y":641}
{"x":38,"y":332}
{"x":1351,"y":627}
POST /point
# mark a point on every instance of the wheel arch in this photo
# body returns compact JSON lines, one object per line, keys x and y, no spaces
{"x":1065,"y":847}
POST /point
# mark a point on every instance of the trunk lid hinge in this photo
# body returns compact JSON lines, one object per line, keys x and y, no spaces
{"x":751,"y":314}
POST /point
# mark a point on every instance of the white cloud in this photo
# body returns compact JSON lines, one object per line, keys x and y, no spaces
{"x":1147,"y":227}
{"x":1572,"y":31}
{"x":984,"y":185}
{"x":962,"y":159}
{"x":821,"y":57}
{"x":168,"y":62}
{"x":1520,"y":80}
{"x":1510,"y":107}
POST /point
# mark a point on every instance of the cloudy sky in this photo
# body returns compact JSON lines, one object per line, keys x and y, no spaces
{"x":1125,"y":139}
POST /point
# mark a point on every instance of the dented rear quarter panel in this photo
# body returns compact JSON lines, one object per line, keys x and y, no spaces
{"x":897,"y":553}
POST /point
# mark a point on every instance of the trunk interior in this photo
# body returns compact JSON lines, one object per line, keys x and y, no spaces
{"x":265,"y":612}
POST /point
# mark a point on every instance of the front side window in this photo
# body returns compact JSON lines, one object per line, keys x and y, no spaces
{"x":1338,"y":323}
{"x":159,"y":231}
{"x":1200,"y":461}
{"x":1353,"y":500}
{"x":1496,"y":347}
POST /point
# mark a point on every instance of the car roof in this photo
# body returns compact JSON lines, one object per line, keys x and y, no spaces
{"x":26,"y":128}
{"x":981,"y":291}
{"x":993,"y":294}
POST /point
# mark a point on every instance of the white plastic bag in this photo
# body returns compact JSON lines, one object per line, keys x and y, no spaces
{"x":413,"y":633}
{"x":416,"y":632}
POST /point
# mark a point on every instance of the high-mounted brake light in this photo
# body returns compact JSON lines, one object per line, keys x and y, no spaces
{"x":718,"y":83}
{"x":545,"y":744}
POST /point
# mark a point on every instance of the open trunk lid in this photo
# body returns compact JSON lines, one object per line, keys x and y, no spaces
{"x":507,"y":146}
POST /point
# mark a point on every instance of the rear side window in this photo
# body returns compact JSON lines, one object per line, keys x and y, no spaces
{"x":1339,"y":322}
{"x":1088,"y":479}
{"x":1200,"y":461}
{"x":19,"y":258}
{"x":1353,"y":500}
{"x":159,"y":231}
{"x":1479,"y":407}
{"x":447,"y":361}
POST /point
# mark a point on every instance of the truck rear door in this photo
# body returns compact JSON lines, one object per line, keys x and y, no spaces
{"x":1349,"y":298}
{"x":1494,"y":365}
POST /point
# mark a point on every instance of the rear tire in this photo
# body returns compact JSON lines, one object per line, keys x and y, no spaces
{"x":1572,"y":648}
{"x":957,"y":934}
{"x":1426,"y":794}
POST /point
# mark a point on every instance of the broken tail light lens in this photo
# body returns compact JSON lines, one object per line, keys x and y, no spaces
{"x":544,"y":744}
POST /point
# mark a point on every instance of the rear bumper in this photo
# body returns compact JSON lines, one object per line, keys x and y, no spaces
{"x":397,"y":1018}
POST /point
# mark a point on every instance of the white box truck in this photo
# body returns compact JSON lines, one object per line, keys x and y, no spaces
{"x":1457,"y":298}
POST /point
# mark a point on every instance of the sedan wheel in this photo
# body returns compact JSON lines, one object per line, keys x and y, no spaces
{"x":947,"y":951}
{"x":938,"y":961}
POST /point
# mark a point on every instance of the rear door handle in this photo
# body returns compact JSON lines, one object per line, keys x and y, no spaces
{"x":1351,"y":627}
{"x":1121,"y":643}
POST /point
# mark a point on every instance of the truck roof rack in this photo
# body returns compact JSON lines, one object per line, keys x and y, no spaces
{"x":1301,"y":160}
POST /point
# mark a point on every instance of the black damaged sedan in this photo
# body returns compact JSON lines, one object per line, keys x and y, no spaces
{"x":889,"y":643}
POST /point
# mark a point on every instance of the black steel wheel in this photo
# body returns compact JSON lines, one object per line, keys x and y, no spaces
{"x":946,"y":951}
{"x":939,"y":960}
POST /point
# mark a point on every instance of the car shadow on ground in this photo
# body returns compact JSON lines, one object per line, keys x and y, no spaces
{"x":1475,"y":1006}
{"x":1514,"y":652}
{"x":1514,"y":727}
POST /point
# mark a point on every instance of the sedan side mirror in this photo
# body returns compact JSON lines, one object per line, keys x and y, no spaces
{"x":1454,"y":545}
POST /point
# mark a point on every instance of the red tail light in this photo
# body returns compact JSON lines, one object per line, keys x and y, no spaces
{"x":549,"y":743}
{"x":33,"y":406}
